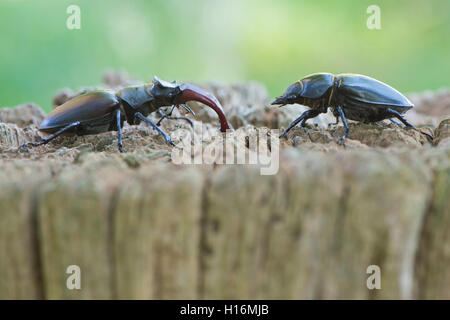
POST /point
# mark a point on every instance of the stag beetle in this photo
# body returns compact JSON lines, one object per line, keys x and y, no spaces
{"x":351,"y":96}
{"x":105,"y":110}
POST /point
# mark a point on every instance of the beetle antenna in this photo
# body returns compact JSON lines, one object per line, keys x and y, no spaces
{"x":188,"y":109}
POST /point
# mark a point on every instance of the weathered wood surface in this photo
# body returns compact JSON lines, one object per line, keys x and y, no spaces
{"x":165,"y":231}
{"x":141,"y":227}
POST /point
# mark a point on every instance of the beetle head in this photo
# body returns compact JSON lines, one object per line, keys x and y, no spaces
{"x":171,"y":93}
{"x":291,"y":95}
{"x":164,"y":92}
{"x":315,"y":86}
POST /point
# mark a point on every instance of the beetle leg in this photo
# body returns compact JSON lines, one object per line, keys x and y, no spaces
{"x":305,"y":116}
{"x":302,"y":125}
{"x":344,"y":121}
{"x":393,"y":120}
{"x":119,"y":130}
{"x":406,"y":122}
{"x":293,"y":124}
{"x":165,"y":136}
{"x":163,"y":115}
{"x":53,"y":136}
{"x":169,"y":116}
{"x":311,"y":114}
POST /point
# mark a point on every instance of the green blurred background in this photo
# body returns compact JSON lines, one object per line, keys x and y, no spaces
{"x":274,"y":42}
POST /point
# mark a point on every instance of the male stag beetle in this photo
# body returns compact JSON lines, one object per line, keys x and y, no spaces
{"x":350,"y":96}
{"x":105,"y":110}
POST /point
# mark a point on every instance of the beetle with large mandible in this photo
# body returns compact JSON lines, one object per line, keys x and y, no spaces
{"x":350,"y":96}
{"x":106,"y":110}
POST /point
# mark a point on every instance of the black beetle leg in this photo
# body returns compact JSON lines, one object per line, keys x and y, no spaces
{"x":169,"y":116}
{"x":302,"y":125}
{"x":406,"y":122}
{"x":344,"y":121}
{"x":164,"y":115}
{"x":165,"y":136}
{"x":119,"y":130}
{"x":53,"y":136}
{"x":393,"y":120}
{"x":293,"y":124}
{"x":305,"y":116}
{"x":311,"y":114}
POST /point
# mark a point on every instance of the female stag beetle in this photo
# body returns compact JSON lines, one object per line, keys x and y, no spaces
{"x":351,"y":96}
{"x":105,"y":110}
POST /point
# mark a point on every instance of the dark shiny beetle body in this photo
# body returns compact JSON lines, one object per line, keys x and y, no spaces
{"x":106,"y":110}
{"x":350,"y":96}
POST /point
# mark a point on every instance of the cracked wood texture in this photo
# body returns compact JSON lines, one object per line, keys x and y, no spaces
{"x":165,"y":231}
{"x":141,"y":227}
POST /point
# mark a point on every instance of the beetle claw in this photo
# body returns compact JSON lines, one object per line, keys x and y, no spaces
{"x":342,"y":141}
{"x":430,"y":136}
{"x":23,"y":147}
{"x":283,"y":135}
{"x":309,"y":135}
{"x":174,"y":145}
{"x":168,"y":139}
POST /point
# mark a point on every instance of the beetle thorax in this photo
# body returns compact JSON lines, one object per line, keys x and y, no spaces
{"x":318,"y":91}
{"x":318,"y":104}
{"x":136,"y":99}
{"x":135,"y":96}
